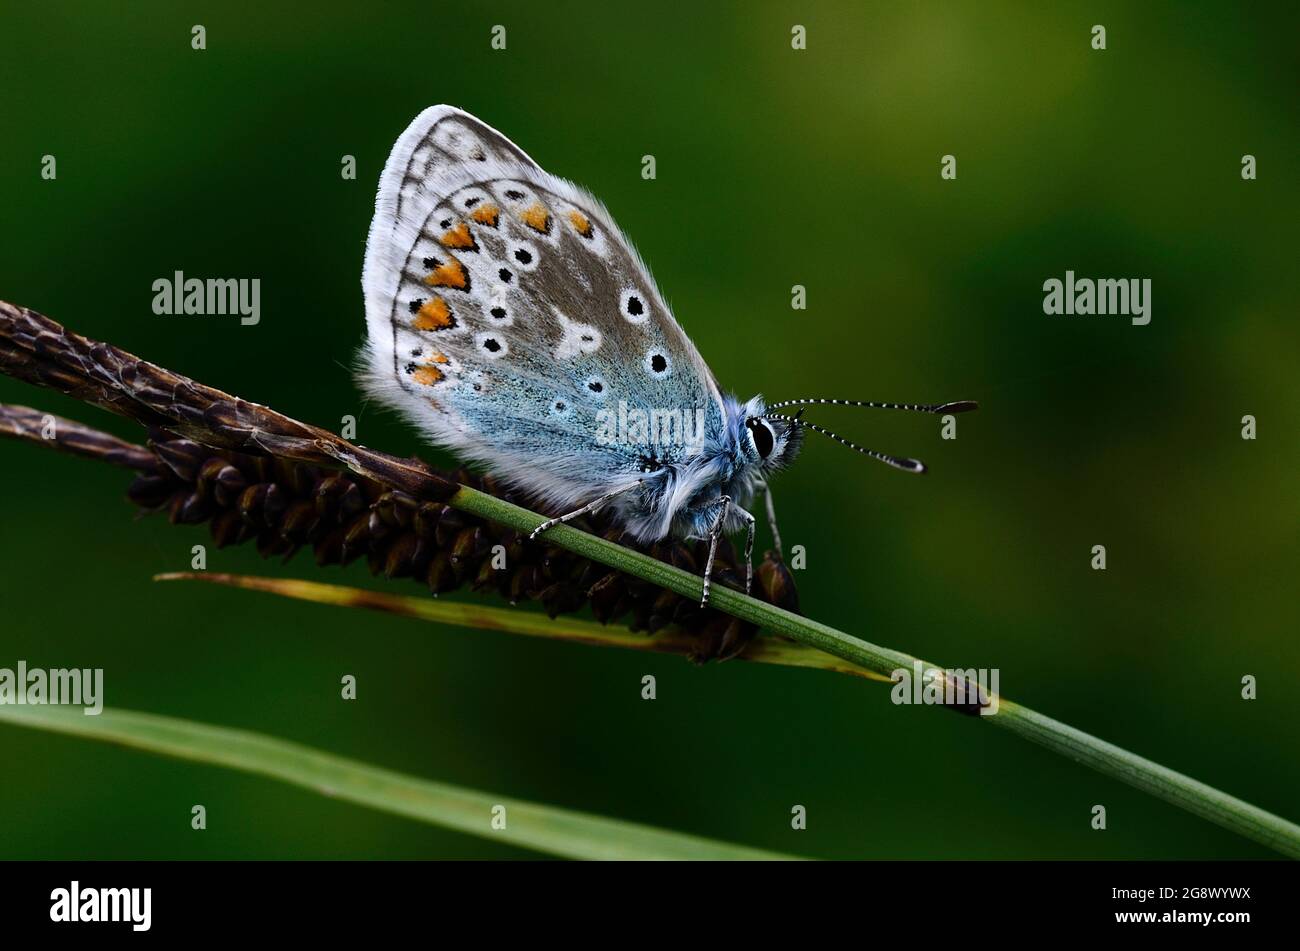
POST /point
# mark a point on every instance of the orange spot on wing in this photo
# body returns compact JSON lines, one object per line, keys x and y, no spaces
{"x":427,"y":375}
{"x":537,"y":218}
{"x":451,"y":274}
{"x":487,"y":215}
{"x":580,"y":223}
{"x":459,"y":237}
{"x":434,"y":315}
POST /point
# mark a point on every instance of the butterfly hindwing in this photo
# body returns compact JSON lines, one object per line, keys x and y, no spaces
{"x":510,"y":318}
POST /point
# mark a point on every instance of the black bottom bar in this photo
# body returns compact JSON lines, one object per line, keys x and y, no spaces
{"x":977,"y":900}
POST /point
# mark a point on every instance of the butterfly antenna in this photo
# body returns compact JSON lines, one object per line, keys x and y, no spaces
{"x":907,"y":465}
{"x":957,"y":406}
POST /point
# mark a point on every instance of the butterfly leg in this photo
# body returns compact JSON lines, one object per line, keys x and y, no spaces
{"x":749,"y":548}
{"x":771,"y":520}
{"x":725,"y":503}
{"x":570,"y":516}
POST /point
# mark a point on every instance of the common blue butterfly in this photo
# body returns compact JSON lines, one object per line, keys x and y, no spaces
{"x":510,"y":319}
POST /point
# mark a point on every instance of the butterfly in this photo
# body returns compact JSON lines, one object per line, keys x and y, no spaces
{"x":514,"y":324}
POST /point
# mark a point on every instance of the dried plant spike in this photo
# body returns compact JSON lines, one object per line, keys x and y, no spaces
{"x":283,"y":507}
{"x":37,"y":349}
{"x":65,"y":435}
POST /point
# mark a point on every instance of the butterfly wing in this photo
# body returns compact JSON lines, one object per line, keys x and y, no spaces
{"x":509,"y":318}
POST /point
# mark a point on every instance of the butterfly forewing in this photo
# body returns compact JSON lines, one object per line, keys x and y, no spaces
{"x":510,"y":318}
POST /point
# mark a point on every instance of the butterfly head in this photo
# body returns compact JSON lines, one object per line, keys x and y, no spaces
{"x":767,"y":445}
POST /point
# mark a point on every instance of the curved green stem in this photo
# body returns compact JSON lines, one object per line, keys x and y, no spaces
{"x":1173,"y":787}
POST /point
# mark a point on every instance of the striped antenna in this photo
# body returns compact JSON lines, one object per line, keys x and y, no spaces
{"x":907,"y":465}
{"x":958,"y":406}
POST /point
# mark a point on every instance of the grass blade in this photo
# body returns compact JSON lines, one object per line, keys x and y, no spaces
{"x":763,"y":650}
{"x":548,"y":829}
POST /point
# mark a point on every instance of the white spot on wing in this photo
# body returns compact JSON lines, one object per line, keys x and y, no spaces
{"x":658,"y":364}
{"x":453,"y":137}
{"x":522,"y":256}
{"x":499,"y":313}
{"x":491,"y":345}
{"x":506,"y":192}
{"x":634,"y":306}
{"x":578,"y":338}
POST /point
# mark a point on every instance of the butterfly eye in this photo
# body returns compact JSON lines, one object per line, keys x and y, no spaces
{"x":761,"y":433}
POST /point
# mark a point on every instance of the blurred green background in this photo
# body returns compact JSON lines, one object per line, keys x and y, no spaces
{"x":775,"y":168}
